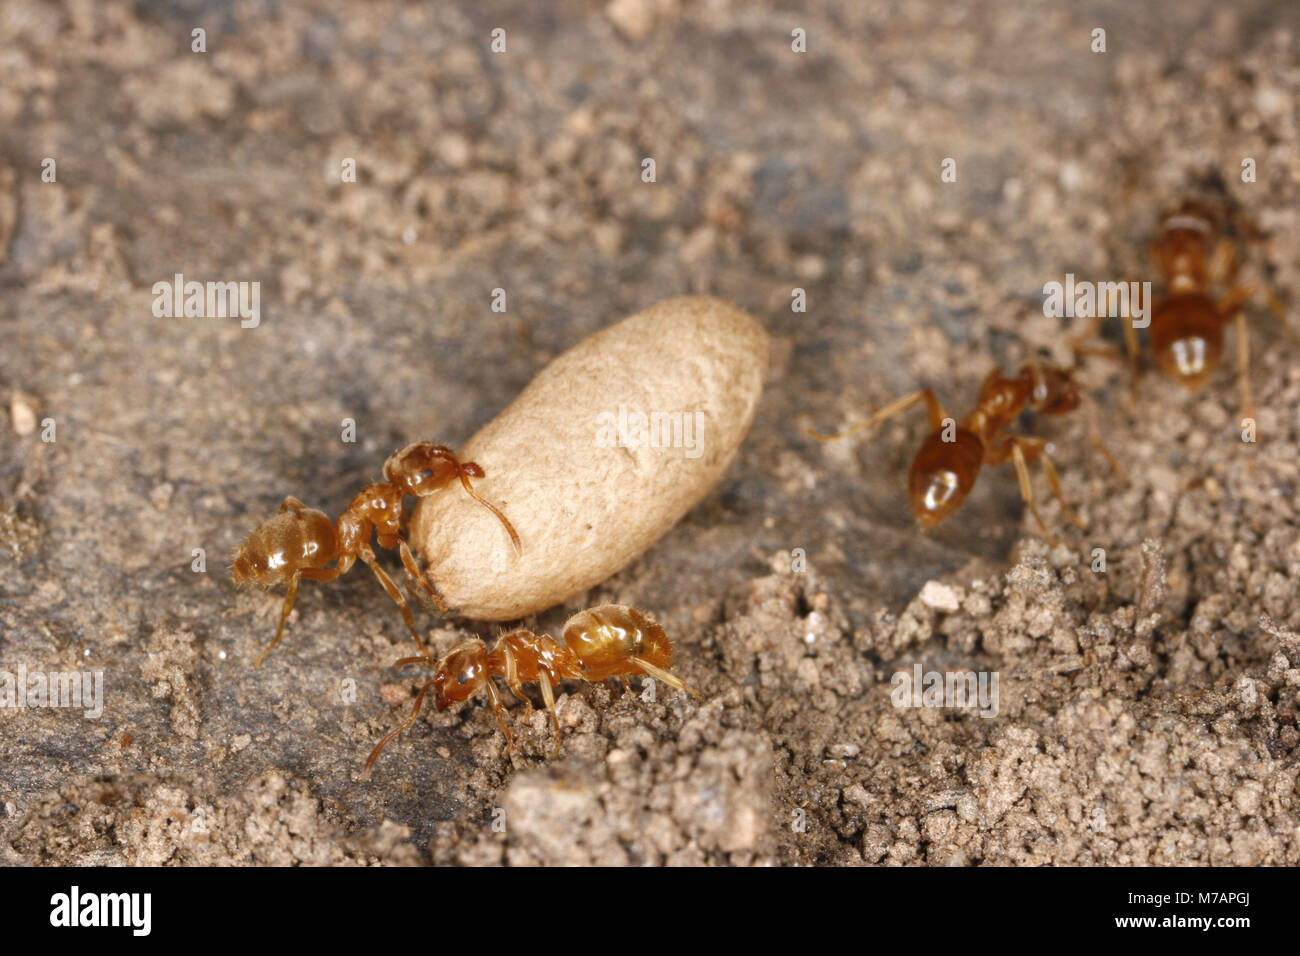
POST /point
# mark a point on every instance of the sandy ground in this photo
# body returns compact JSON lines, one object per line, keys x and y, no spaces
{"x":1146,"y":716}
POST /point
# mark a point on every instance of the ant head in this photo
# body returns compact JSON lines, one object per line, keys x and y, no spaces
{"x":422,"y":468}
{"x":1055,"y":391}
{"x":1192,"y":221}
{"x":461,"y":674}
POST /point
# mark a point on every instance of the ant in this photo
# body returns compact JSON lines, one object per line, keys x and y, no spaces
{"x":949,"y":460}
{"x":611,"y":640}
{"x":1186,"y":325}
{"x":299,"y":541}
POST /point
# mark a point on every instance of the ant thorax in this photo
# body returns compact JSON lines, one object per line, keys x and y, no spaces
{"x":524,"y":654}
{"x":377,"y":507}
{"x":1000,"y":402}
{"x":1182,"y":252}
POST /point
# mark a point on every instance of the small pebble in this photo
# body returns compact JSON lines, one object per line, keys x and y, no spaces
{"x":22,"y":413}
{"x":941,"y":597}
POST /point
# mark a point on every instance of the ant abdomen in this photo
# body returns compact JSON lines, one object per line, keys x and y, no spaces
{"x":943,"y":474}
{"x":606,"y":640}
{"x":1187,"y":337}
{"x":294,"y":539}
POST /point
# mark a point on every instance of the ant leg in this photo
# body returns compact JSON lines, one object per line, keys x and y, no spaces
{"x":1243,"y":366}
{"x":1223,"y":261}
{"x":548,"y":697}
{"x":1234,"y":300}
{"x":1223,"y":265}
{"x":1026,"y":492}
{"x":1094,"y":436}
{"x":513,"y":682}
{"x":1099,"y":349}
{"x":1089,"y":343}
{"x":517,"y":688}
{"x":1134,"y":370}
{"x":1131,"y":344}
{"x":494,"y":698}
{"x":285,"y":610}
{"x":896,"y":407}
{"x":1231,"y":305}
{"x":668,"y":677}
{"x":417,"y":577}
{"x":1094,"y":327}
{"x":1039,"y":451}
{"x":415,"y":712}
{"x":369,"y":557}
{"x":1279,"y":312}
{"x":627,"y":688}
{"x":1243,"y":371}
{"x":1081,"y":345}
{"x":311,"y":574}
{"x":1242,"y":294}
{"x":1085,"y":343}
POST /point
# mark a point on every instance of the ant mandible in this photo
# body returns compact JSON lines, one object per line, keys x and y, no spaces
{"x":611,"y":640}
{"x":944,"y":470}
{"x":299,"y":541}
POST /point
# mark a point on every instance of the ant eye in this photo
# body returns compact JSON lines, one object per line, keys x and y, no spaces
{"x":427,"y":473}
{"x":462,"y":678}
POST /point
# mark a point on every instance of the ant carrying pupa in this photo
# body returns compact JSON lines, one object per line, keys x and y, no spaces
{"x":944,"y":470}
{"x":611,"y":640}
{"x":1187,"y":323}
{"x":299,"y":541}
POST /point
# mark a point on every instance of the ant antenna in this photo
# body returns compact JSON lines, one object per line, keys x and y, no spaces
{"x":404,"y":725}
{"x":1094,"y":434}
{"x":820,"y":436}
{"x":510,"y":529}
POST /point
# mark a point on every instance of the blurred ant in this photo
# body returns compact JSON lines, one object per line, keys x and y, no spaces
{"x":602,"y":642}
{"x":949,"y":460}
{"x":299,"y":541}
{"x":1186,"y":330}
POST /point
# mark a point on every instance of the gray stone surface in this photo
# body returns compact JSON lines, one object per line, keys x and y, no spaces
{"x":1145,"y":717}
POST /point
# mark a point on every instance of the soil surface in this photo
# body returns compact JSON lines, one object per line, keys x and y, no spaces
{"x":1146,"y":714}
